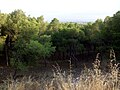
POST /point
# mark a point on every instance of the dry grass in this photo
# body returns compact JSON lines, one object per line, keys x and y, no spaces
{"x":88,"y":80}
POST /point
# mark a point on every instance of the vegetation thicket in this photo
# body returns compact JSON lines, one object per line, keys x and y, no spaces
{"x":25,"y":39}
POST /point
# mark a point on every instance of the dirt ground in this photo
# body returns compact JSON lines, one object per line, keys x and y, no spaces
{"x":43,"y":69}
{"x":46,"y":69}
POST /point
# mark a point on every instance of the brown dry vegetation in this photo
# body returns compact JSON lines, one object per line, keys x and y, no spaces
{"x":89,"y":79}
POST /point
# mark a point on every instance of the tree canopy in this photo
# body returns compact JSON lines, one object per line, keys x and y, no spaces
{"x":29,"y":39}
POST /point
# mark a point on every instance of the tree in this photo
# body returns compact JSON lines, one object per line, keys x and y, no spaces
{"x":67,"y":41}
{"x":31,"y":52}
{"x":54,"y":26}
{"x":11,"y":29}
{"x":111,"y":32}
{"x":42,"y":25}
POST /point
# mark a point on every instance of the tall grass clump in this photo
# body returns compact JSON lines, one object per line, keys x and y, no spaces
{"x":89,"y":79}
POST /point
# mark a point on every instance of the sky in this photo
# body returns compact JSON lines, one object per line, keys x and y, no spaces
{"x":64,"y":10}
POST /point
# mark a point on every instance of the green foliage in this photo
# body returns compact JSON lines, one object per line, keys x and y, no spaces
{"x":44,"y":38}
{"x":53,"y":26}
{"x":2,"y":41}
{"x":37,"y":50}
{"x":111,"y":32}
{"x":29,"y":39}
{"x":67,"y":40}
{"x":32,"y":51}
{"x":18,"y":65}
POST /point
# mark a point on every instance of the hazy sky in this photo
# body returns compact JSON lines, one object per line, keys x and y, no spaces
{"x":64,"y":10}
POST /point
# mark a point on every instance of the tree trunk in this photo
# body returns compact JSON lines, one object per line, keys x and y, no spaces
{"x":6,"y":56}
{"x":6,"y":49}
